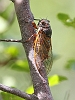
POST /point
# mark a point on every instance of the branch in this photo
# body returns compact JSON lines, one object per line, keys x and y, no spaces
{"x":17,"y":92}
{"x":10,"y":40}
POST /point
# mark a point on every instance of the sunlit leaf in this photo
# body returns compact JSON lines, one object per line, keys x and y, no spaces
{"x":6,"y":18}
{"x":21,"y":65}
{"x":5,"y":14}
{"x":12,"y":51}
{"x":3,"y":25}
{"x":8,"y":96}
{"x":70,"y":64}
{"x":30,"y":90}
{"x":66,"y":19}
{"x":56,"y":79}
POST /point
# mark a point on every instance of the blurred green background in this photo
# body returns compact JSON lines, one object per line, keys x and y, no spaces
{"x":14,"y":70}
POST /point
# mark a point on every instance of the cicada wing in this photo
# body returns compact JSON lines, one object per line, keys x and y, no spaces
{"x":48,"y":62}
{"x":43,"y":52}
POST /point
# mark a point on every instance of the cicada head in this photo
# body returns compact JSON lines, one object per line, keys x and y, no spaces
{"x":45,"y":25}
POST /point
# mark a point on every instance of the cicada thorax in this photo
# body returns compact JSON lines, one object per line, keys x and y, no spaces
{"x":42,"y":44}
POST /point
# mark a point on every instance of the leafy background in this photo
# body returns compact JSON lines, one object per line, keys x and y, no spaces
{"x":14,"y":69}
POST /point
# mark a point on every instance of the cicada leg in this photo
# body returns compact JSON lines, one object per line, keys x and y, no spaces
{"x":34,"y":35}
{"x":34,"y":25}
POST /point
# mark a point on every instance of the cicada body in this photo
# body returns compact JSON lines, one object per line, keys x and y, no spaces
{"x":42,"y":45}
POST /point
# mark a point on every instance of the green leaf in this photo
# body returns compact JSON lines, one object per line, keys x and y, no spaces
{"x":6,"y":18}
{"x":8,"y":96}
{"x":65,"y":18}
{"x":20,"y":65}
{"x":70,"y":64}
{"x":3,"y":25}
{"x":5,"y":14}
{"x":30,"y":90}
{"x":56,"y":79}
{"x":12,"y":51}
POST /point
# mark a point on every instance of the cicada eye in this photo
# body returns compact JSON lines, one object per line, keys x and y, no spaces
{"x":43,"y":23}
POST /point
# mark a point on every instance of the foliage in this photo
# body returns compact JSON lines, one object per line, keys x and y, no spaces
{"x":65,"y":18}
{"x":12,"y":55}
{"x":6,"y":19}
{"x":8,"y":96}
{"x":70,"y":64}
{"x":56,"y":79}
{"x":20,"y":65}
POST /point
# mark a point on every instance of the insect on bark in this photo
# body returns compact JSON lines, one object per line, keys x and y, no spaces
{"x":42,"y":44}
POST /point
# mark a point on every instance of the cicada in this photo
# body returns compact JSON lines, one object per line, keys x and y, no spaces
{"x":42,"y":46}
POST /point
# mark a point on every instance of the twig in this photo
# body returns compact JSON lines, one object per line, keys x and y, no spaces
{"x":10,"y":40}
{"x":17,"y":92}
